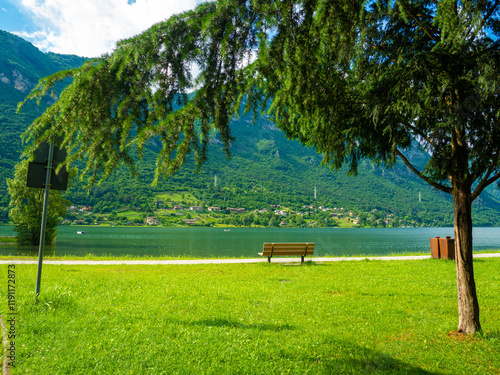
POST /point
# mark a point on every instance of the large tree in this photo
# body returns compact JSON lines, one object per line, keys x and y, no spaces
{"x":354,"y":79}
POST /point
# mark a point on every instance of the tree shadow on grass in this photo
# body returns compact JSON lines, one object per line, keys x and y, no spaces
{"x":220,"y":322}
{"x":341,"y":357}
{"x":330,"y":357}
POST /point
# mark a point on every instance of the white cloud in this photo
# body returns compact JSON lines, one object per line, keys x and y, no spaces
{"x":92,"y":27}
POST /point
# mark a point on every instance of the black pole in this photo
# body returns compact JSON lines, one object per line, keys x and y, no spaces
{"x":44,"y":219}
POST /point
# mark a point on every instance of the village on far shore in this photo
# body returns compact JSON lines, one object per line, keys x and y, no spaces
{"x":181,"y":215}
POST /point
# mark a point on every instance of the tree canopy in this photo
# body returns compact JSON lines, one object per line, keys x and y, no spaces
{"x":27,"y":207}
{"x":354,"y":79}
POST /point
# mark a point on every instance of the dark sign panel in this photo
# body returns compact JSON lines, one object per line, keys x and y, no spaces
{"x":41,"y":154}
{"x":37,"y":173}
{"x":37,"y":169}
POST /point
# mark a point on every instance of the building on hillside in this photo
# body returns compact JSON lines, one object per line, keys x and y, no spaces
{"x":213,"y":209}
{"x":196,"y":208}
{"x":238,"y":210}
{"x":178,"y":208}
{"x":152,"y":220}
{"x":189,"y":221}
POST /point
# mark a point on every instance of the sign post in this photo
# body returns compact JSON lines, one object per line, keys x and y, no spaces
{"x":41,"y":174}
{"x":48,"y":176}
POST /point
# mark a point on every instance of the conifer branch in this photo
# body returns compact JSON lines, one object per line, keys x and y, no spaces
{"x":418,"y":21}
{"x":443,"y":188}
{"x":487,"y":181}
{"x":483,"y":20}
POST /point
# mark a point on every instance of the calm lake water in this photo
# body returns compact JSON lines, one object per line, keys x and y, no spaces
{"x":246,"y":242}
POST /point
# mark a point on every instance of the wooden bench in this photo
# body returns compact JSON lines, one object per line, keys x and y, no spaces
{"x":287,"y":248}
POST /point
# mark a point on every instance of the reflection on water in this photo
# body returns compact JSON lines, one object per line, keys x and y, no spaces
{"x":243,"y":242}
{"x":32,"y":251}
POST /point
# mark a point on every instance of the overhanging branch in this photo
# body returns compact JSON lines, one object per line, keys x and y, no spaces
{"x":483,"y":184}
{"x":419,"y":22}
{"x":422,"y":176}
{"x":477,"y":30}
{"x":493,"y":179}
{"x":421,"y":134}
{"x":487,"y":181}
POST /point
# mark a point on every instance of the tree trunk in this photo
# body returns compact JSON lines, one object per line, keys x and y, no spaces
{"x":468,"y":306}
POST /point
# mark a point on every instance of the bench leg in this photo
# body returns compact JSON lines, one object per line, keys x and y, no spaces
{"x":268,"y":259}
{"x":301,"y":259}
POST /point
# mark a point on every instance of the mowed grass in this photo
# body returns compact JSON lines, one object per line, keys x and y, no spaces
{"x":350,"y":317}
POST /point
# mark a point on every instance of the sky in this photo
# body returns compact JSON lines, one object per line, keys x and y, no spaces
{"x":87,"y":28}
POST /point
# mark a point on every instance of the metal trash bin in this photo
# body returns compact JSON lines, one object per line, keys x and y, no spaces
{"x":447,"y":248}
{"x":435,"y":247}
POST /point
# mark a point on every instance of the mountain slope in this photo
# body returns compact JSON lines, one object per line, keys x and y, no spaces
{"x":21,"y":66}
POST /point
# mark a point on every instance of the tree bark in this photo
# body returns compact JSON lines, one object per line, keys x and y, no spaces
{"x":468,"y":306}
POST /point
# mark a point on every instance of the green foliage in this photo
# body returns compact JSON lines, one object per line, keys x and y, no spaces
{"x":27,"y":207}
{"x":367,"y":81}
{"x":351,"y":317}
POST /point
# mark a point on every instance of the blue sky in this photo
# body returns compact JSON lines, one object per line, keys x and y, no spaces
{"x":11,"y":19}
{"x":84,"y":27}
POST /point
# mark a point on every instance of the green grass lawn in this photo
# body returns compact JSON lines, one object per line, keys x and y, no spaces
{"x":375,"y":317}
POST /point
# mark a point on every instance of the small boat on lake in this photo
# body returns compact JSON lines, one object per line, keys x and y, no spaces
{"x":80,"y":232}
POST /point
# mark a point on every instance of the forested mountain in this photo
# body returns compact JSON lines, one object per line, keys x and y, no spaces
{"x":265,"y":168}
{"x":21,"y":66}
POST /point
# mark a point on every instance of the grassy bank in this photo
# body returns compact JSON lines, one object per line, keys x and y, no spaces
{"x":7,"y":239}
{"x":34,"y":256}
{"x":371,"y":317}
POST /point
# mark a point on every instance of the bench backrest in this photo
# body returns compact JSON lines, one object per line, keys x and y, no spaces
{"x":288,"y":248}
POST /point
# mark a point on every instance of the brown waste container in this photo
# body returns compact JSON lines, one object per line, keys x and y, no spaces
{"x":447,"y":248}
{"x":435,"y":247}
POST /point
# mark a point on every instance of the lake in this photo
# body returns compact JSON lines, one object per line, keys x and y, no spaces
{"x":244,"y":242}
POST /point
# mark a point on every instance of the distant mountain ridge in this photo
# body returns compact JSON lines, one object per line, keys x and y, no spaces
{"x":265,"y":167}
{"x":22,"y":64}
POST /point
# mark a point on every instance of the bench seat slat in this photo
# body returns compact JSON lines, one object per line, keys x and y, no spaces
{"x":287,"y":248}
{"x":290,"y":252}
{"x":288,"y":243}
